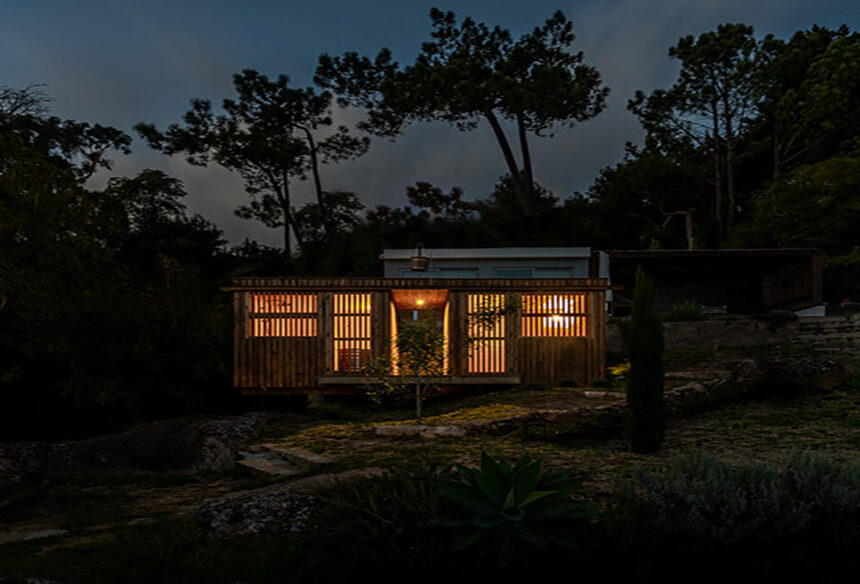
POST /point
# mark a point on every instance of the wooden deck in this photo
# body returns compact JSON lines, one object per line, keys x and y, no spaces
{"x":441,"y":380}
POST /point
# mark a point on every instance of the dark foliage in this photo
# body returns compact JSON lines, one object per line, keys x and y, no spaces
{"x":647,"y":423}
{"x":109,"y":302}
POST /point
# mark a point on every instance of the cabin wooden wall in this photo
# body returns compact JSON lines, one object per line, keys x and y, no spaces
{"x":295,"y":364}
{"x":538,"y":359}
{"x":549,"y":360}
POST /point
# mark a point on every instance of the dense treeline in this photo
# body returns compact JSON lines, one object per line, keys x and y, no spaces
{"x":110,"y":308}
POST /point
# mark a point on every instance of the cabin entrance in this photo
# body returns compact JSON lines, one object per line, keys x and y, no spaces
{"x":426,"y":313}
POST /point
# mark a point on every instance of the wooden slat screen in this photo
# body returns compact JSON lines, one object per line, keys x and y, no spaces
{"x":486,"y":322}
{"x":554,"y":315}
{"x":351,"y":332}
{"x":282,"y":314}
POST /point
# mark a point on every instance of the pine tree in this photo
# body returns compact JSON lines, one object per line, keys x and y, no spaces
{"x":647,"y":422}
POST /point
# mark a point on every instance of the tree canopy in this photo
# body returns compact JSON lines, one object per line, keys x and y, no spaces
{"x":468,"y":72}
{"x":267,"y":135}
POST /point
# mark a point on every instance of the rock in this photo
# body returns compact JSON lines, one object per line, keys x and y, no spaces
{"x":745,"y":368}
{"x":26,"y":581}
{"x":268,"y":468}
{"x":422,"y":431}
{"x":604,"y":394}
{"x":221,"y":439}
{"x":268,"y":510}
{"x":44,"y":534}
{"x":691,"y":387}
{"x":263,"y":511}
{"x":275,"y":460}
{"x":701,"y":374}
{"x":19,"y":460}
{"x":297,"y":456}
{"x":784,"y":374}
{"x":189,"y":445}
{"x":17,"y":535}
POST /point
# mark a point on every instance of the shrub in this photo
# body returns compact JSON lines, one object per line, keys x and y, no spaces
{"x":510,"y":511}
{"x":600,"y":382}
{"x":619,"y":370}
{"x":568,"y":382}
{"x":647,"y":421}
{"x":821,"y":482}
{"x":382,"y":519}
{"x":688,"y":310}
{"x":699,"y":494}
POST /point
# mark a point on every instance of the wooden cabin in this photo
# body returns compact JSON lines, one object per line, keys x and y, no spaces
{"x":314,"y":335}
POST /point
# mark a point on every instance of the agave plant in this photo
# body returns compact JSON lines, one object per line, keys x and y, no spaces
{"x":498,"y":505}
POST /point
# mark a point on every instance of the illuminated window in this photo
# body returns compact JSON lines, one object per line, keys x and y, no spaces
{"x":486,"y":320}
{"x":554,"y":315}
{"x":352,"y":324}
{"x":280,"y":314}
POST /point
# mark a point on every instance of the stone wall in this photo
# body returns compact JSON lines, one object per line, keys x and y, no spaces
{"x":829,"y":331}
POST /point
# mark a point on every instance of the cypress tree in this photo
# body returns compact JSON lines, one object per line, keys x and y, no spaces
{"x":647,"y":421}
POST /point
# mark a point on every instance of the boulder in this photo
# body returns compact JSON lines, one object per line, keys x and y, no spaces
{"x":220,"y":440}
{"x":279,"y":508}
{"x":263,"y":511}
{"x":194,"y":445}
{"x":792,"y":373}
{"x":19,"y":460}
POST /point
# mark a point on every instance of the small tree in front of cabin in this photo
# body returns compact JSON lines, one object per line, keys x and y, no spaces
{"x":647,"y":421}
{"x":419,"y":354}
{"x":418,"y":360}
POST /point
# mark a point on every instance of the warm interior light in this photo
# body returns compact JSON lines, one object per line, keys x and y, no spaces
{"x":419,"y":302}
{"x":554,"y":315}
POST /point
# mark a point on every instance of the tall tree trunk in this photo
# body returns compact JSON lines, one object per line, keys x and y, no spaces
{"x":289,"y":219}
{"x":777,"y":158}
{"x":730,"y":170}
{"x":419,"y":400}
{"x":718,"y":171}
{"x":527,"y":175}
{"x":523,"y":195}
{"x":287,"y":243}
{"x":324,"y":210}
{"x":283,"y":196}
{"x":688,"y":227}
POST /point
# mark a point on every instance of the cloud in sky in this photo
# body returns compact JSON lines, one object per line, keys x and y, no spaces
{"x":122,"y":62}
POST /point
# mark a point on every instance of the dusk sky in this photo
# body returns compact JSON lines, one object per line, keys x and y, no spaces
{"x":122,"y":62}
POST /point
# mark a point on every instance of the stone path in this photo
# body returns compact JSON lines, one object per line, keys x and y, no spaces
{"x":274,"y":461}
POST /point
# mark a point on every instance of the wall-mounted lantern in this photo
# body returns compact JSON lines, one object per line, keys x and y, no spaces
{"x":420,"y":262}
